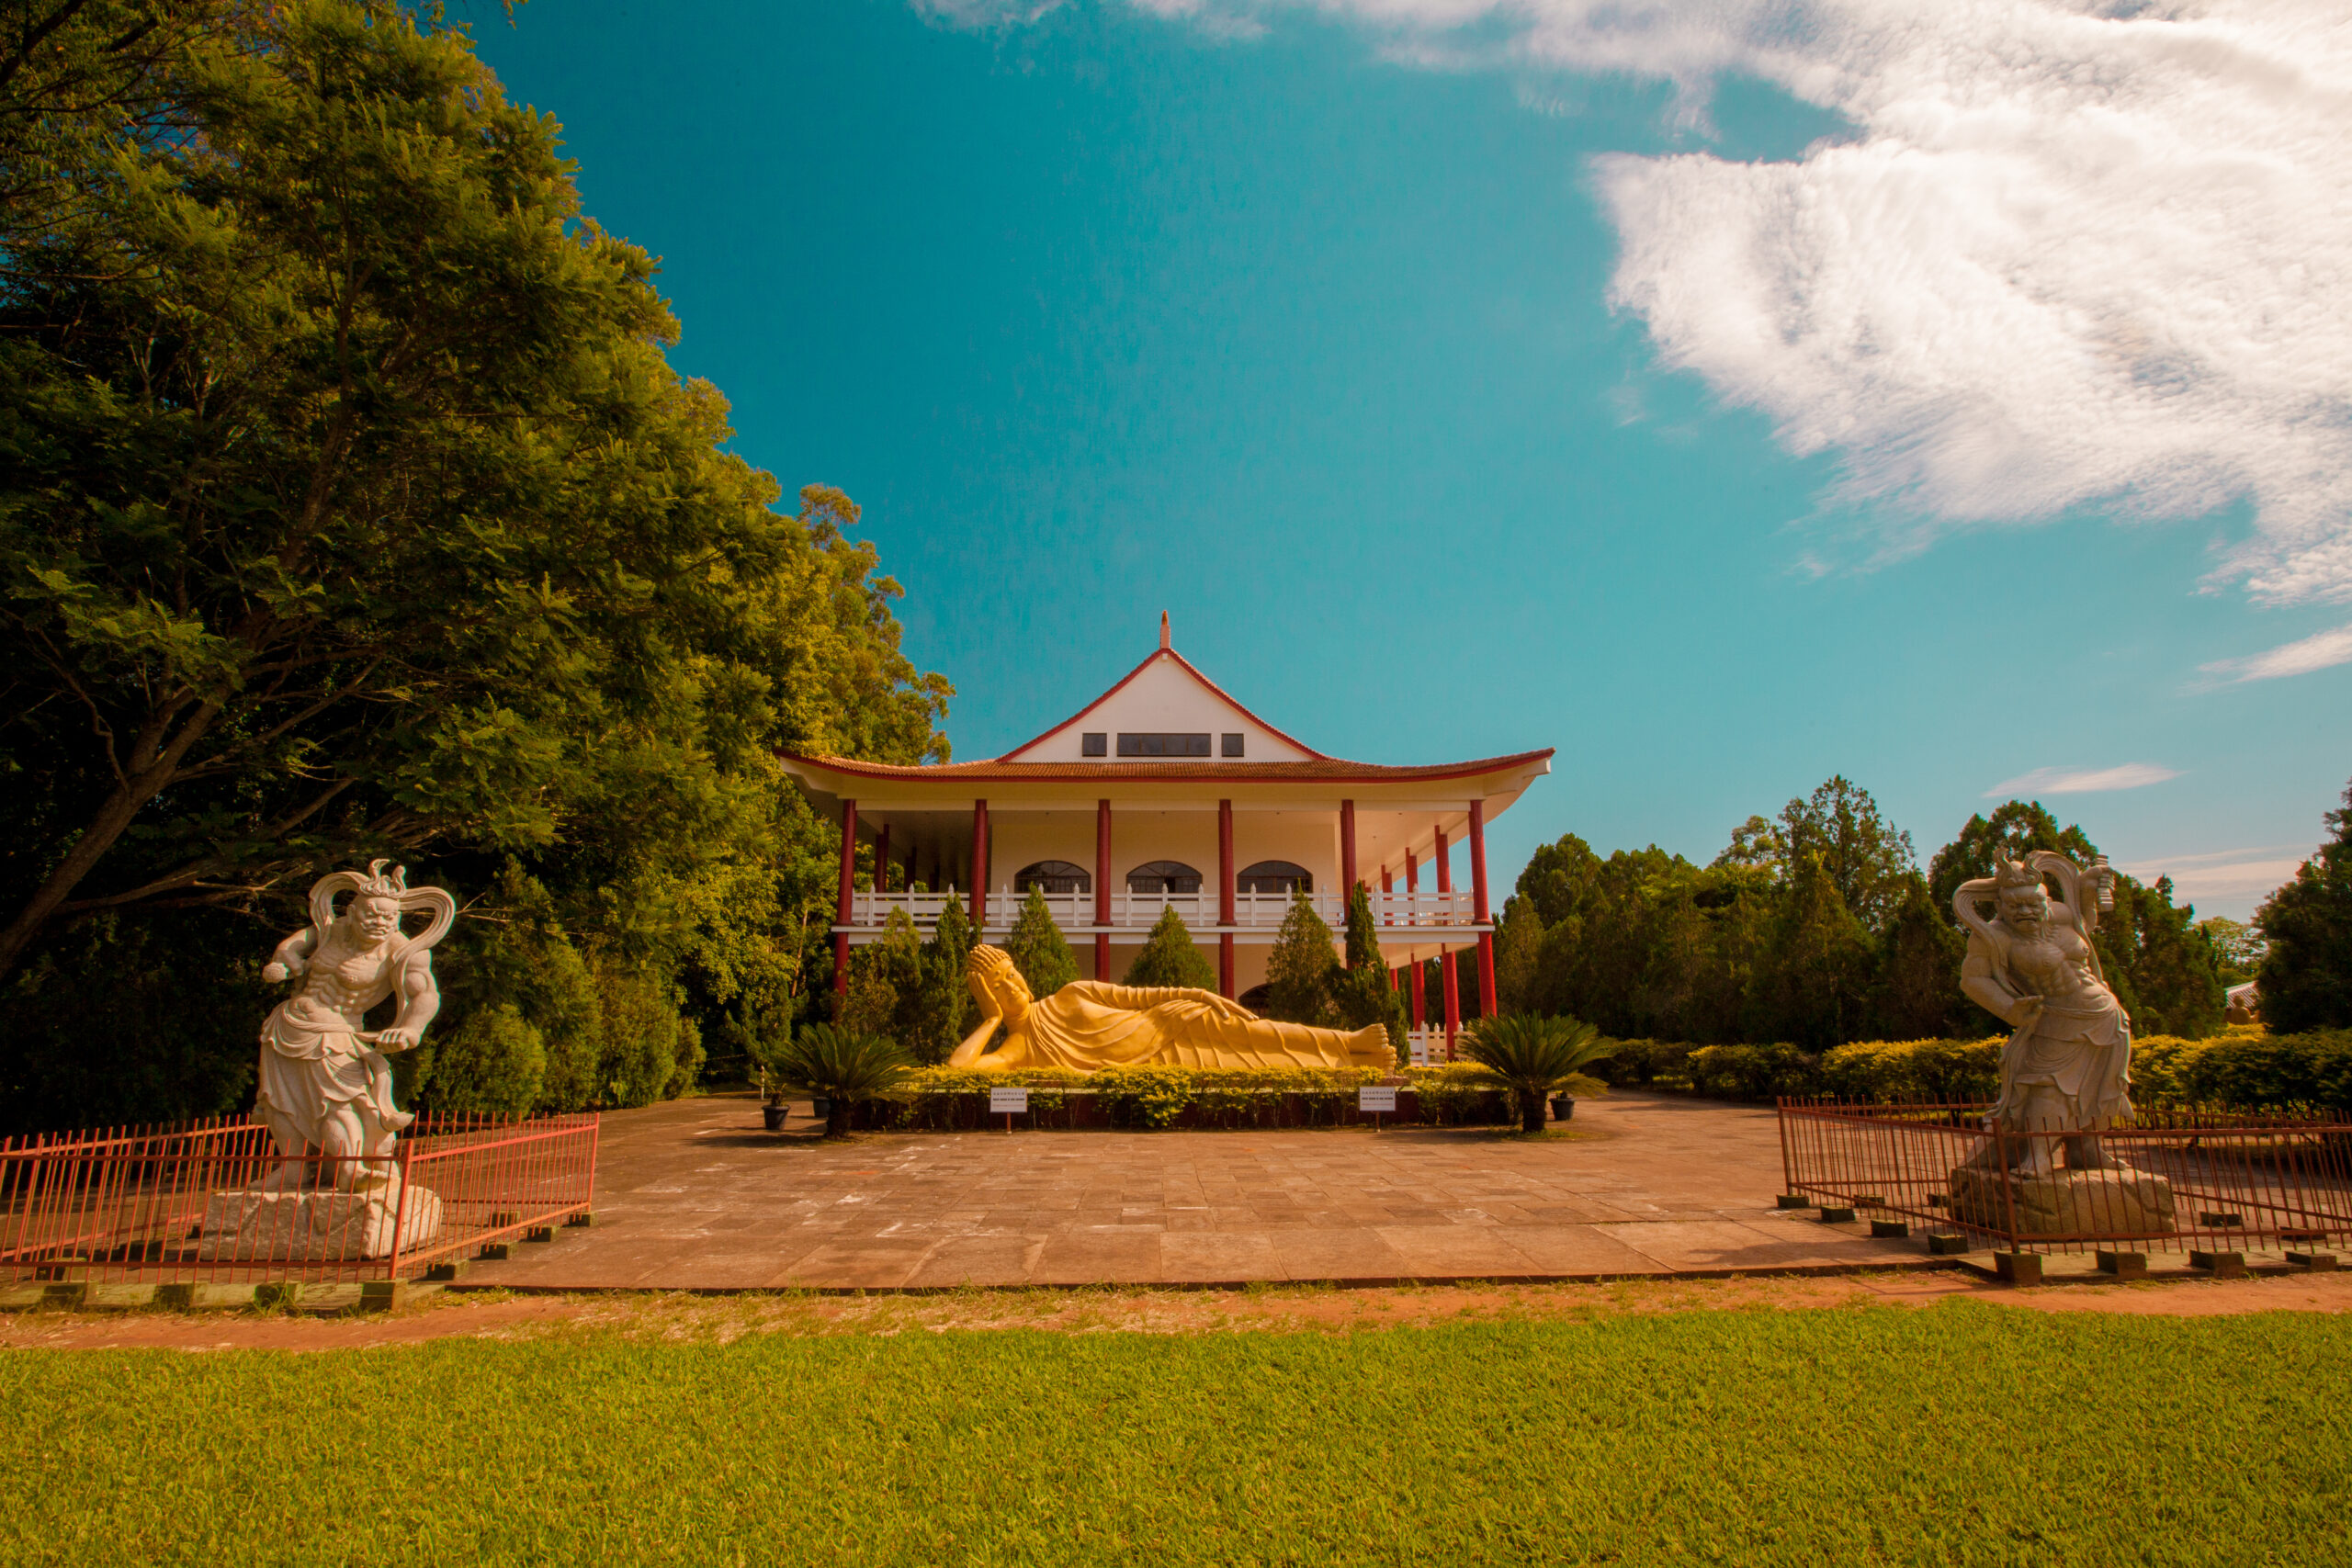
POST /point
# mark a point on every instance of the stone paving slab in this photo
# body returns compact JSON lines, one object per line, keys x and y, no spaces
{"x":693,"y":1195}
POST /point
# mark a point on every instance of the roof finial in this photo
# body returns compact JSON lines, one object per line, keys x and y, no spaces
{"x":1163,"y":628}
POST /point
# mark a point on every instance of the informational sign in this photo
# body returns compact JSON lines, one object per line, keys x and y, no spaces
{"x":1383,"y":1098}
{"x":1006,"y":1102}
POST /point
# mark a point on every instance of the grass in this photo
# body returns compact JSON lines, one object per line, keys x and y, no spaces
{"x":1958,"y":1433}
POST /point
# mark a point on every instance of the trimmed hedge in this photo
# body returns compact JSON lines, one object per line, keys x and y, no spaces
{"x":1156,"y":1097}
{"x":2243,"y":1067}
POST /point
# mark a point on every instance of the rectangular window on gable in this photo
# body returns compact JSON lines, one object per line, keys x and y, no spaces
{"x":1233,"y":745}
{"x":1162,"y":745}
{"x":1090,"y":744}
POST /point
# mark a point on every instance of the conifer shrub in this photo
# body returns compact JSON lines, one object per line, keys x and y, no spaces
{"x":1038,"y":951}
{"x":492,"y":1063}
{"x":1360,"y":993}
{"x":1300,"y":969}
{"x":1169,"y":957}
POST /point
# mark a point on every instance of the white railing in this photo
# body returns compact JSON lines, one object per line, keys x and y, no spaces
{"x":1425,"y":1047}
{"x":1076,"y":911}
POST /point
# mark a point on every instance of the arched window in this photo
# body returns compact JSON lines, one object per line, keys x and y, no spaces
{"x":1274,"y":877}
{"x":1053,"y":876}
{"x":1163,"y":876}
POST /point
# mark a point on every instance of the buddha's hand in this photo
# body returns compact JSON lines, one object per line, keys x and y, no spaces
{"x":2027,"y":1012}
{"x":396,"y":1038}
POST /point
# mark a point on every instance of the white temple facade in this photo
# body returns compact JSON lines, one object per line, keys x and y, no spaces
{"x":1165,"y":793}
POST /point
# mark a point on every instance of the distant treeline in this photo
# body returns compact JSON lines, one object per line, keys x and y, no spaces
{"x":1817,"y":927}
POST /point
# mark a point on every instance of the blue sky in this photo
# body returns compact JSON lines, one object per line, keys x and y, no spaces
{"x":1292,"y":327}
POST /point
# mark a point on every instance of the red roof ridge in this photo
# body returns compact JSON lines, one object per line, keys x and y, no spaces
{"x":1319,"y":767}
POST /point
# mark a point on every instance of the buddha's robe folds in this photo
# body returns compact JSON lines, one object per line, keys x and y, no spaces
{"x":1088,"y":1024}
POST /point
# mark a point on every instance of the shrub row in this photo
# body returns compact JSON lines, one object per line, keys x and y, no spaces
{"x":2243,"y":1067}
{"x":944,"y":1099}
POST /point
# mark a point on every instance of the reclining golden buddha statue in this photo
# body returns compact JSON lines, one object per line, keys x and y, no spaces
{"x":1091,"y":1024}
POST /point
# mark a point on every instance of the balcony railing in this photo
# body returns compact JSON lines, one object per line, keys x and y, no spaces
{"x":1399,"y":912}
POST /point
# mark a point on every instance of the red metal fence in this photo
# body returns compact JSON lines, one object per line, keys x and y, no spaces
{"x":2197,"y":1179}
{"x":214,"y":1203}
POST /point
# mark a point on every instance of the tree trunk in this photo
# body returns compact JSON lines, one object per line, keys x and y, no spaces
{"x":837,"y":1118}
{"x":1532,"y":1111}
{"x":106,"y":825}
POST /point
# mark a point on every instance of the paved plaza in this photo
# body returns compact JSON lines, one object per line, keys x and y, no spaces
{"x":694,"y":1195}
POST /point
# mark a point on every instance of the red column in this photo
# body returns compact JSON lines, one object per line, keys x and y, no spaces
{"x":1420,"y":1012}
{"x":882,"y":859}
{"x":1347,"y":854}
{"x":1487,"y":1005}
{"x":1447,"y":975}
{"x":848,"y":889}
{"x":1451,"y":979}
{"x":1103,"y":888}
{"x":1412,"y":882}
{"x":979,"y":864}
{"x":1225,"y":896}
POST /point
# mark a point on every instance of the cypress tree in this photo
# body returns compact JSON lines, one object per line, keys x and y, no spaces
{"x":1300,"y":969}
{"x":1038,"y":951}
{"x":2175,"y":973}
{"x":1169,"y":957}
{"x":2306,"y":978}
{"x":1360,"y":993}
{"x":949,"y":1010}
{"x":1817,"y":991}
{"x":1918,"y":987}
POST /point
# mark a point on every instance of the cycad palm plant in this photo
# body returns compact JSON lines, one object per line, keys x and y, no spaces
{"x":841,"y":1067}
{"x":1533,"y":1056}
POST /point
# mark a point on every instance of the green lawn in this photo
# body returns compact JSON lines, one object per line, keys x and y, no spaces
{"x":1957,"y":1434}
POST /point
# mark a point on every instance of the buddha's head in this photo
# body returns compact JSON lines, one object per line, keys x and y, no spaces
{"x":995,"y":978}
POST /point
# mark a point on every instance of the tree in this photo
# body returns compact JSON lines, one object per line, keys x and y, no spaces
{"x":1757,"y":844}
{"x":1816,"y":993}
{"x":1919,"y":993}
{"x":2175,"y":975}
{"x":1169,"y":957}
{"x":1519,"y":956}
{"x":1362,"y":994}
{"x":949,"y":1011}
{"x":2238,"y":946}
{"x":2306,"y":978}
{"x":350,"y":506}
{"x":1038,"y":951}
{"x":886,"y":993}
{"x":1300,"y":967}
{"x":1865,"y":857}
{"x":2013,"y":828}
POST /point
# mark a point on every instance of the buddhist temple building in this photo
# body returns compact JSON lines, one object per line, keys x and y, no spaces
{"x":1166,"y":793}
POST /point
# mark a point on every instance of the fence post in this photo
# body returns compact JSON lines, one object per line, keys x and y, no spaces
{"x":399,"y":1211}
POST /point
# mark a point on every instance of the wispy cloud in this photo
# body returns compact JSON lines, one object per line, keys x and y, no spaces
{"x":2083,"y":781}
{"x":2076,"y":253}
{"x":2235,"y":876}
{"x":2317,"y":652}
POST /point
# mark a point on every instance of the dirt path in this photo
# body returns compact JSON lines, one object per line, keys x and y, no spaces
{"x":1277,"y":1309}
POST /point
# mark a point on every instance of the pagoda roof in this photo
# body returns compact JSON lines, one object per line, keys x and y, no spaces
{"x":1319,"y":770}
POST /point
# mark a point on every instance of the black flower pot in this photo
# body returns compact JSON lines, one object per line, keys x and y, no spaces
{"x":773,"y":1116}
{"x":1563,"y":1107}
{"x":822,"y":1108}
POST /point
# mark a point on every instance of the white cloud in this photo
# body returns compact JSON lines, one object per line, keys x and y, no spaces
{"x":2077,"y":251}
{"x":2238,"y":877}
{"x":2318,"y":651}
{"x":2083,"y":781}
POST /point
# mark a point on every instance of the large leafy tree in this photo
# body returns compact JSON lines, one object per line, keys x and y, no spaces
{"x":350,"y":506}
{"x":2306,"y":974}
{"x":1866,"y":858}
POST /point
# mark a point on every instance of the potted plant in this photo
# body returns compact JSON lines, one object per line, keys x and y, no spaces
{"x":841,"y":1070}
{"x":1534,"y":1058}
{"x":773,"y":1108}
